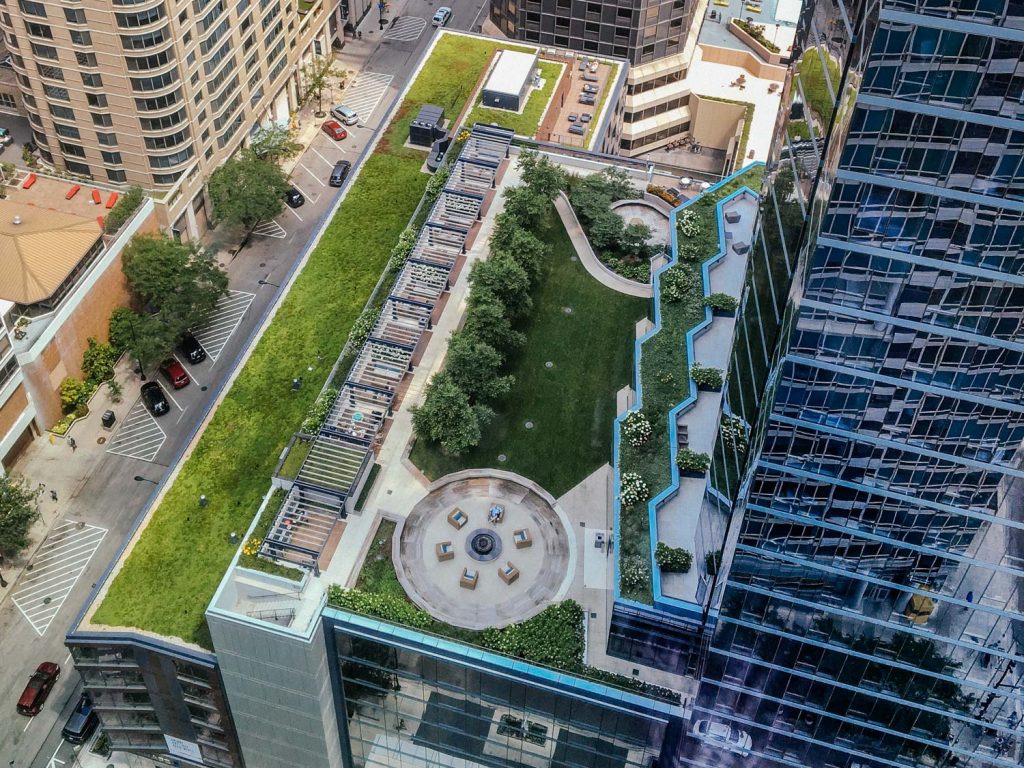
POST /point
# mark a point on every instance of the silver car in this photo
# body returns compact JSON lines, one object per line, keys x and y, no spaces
{"x":344,"y":115}
{"x":442,"y":16}
{"x":736,"y":741}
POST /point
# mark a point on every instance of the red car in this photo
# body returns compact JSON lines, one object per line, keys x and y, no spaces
{"x":175,"y":373}
{"x":334,"y":129}
{"x":38,"y":688}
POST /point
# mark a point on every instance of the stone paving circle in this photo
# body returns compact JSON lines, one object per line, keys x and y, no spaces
{"x":434,"y":584}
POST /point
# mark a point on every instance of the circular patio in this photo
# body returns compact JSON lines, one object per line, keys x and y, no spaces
{"x":484,"y":548}
{"x":644,"y":212}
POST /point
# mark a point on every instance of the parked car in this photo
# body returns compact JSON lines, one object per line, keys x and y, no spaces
{"x":344,"y":115}
{"x":333,"y":129}
{"x":154,"y":398}
{"x":82,"y":722}
{"x":586,"y":98}
{"x":340,"y":173}
{"x":578,"y":129}
{"x":736,"y":741}
{"x":589,"y":88}
{"x":585,"y":117}
{"x":293,"y":198}
{"x":191,"y":349}
{"x":31,"y":701}
{"x":573,"y":117}
{"x":442,"y":16}
{"x":5,"y":137}
{"x":175,"y":373}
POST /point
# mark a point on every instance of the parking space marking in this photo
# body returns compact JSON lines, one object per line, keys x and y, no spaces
{"x":293,"y":213}
{"x":222,"y":323}
{"x":365,"y":92}
{"x":312,"y":175}
{"x":329,"y":162}
{"x":270,"y":229}
{"x":304,"y":193}
{"x":139,"y":436}
{"x":55,"y":571}
{"x":190,"y":374}
{"x":405,"y":29}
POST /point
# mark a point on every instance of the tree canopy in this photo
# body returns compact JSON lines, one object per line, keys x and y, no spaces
{"x":19,"y":509}
{"x":447,"y":417}
{"x":541,"y":175}
{"x":475,"y":367}
{"x":247,"y":189}
{"x":507,"y":280}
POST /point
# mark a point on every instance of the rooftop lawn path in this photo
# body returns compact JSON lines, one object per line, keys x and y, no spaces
{"x":171,"y":574}
{"x":571,"y":404}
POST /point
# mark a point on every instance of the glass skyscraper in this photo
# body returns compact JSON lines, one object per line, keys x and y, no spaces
{"x":871,"y":613}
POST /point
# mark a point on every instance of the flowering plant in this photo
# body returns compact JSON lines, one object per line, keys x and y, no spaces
{"x":634,"y":573}
{"x":734,"y":433}
{"x":636,"y":428}
{"x":633,"y":489}
{"x":688,"y":225}
{"x":252,"y":546}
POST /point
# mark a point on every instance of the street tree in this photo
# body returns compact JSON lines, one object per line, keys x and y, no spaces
{"x":144,"y":336}
{"x":475,"y":367}
{"x":316,"y":77}
{"x":179,"y":281}
{"x":541,"y":175}
{"x":19,"y":509}
{"x":246,"y":189}
{"x":274,"y":142}
{"x":447,"y":417}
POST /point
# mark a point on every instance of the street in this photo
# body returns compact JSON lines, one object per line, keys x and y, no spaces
{"x":104,"y":484}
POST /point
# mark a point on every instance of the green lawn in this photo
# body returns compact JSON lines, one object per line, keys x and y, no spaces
{"x":174,"y":568}
{"x":296,"y":455}
{"x":525,"y":123}
{"x":571,"y":405}
{"x":811,"y":76}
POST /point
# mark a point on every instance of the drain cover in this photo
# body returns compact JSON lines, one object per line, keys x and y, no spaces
{"x":528,"y":425}
{"x":100,"y":440}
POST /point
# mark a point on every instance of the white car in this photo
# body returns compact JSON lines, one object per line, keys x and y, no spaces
{"x":733,"y":739}
{"x":442,"y":16}
{"x":344,"y":115}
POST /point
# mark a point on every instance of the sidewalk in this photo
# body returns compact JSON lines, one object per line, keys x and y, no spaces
{"x":50,"y":464}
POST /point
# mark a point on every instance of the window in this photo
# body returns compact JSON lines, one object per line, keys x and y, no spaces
{"x":166,"y":161}
{"x":140,"y":42}
{"x":113,"y":158}
{"x":140,"y":19}
{"x":142,"y":63}
{"x":29,"y":99}
{"x":74,"y":15}
{"x":92,"y":80}
{"x":44,"y":51}
{"x":154,"y":83}
{"x":31,"y":8}
{"x":102,"y":120}
{"x":56,"y":92}
{"x":86,"y":59}
{"x":166,"y":178}
{"x":117,"y":176}
{"x":7,"y":101}
{"x":166,"y":142}
{"x":38,"y":30}
{"x":80,"y":38}
{"x":67,"y":131}
{"x":106,"y":139}
{"x":71,"y":149}
{"x":96,"y":99}
{"x":162,"y":123}
{"x":80,"y":168}
{"x":54,"y":73}
{"x":158,"y":102}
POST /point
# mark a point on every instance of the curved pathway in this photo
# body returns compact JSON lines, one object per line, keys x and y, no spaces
{"x":589,"y":259}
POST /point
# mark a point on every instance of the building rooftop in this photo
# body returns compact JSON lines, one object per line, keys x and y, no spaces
{"x":510,"y":72}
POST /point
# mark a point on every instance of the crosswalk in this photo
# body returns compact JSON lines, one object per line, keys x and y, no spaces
{"x":214,"y":335}
{"x":139,"y":436}
{"x":365,"y":92}
{"x":270,"y":229}
{"x":405,"y":29}
{"x":55,"y":570}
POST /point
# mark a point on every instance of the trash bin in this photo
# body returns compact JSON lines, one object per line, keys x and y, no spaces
{"x":107,"y":419}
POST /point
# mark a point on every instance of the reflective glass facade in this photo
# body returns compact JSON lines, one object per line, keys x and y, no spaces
{"x":872,"y":606}
{"x":408,"y":699}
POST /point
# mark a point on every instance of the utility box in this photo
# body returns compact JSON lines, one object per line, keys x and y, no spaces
{"x":428,"y":126}
{"x":108,"y":419}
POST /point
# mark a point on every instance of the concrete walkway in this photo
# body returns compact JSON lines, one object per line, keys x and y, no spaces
{"x":589,"y":259}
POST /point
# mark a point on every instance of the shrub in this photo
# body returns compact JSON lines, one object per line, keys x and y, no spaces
{"x":553,"y":637}
{"x":401,"y":251}
{"x":75,"y":392}
{"x":706,"y":377}
{"x":679,"y":283}
{"x":633,"y":490}
{"x":664,"y":194}
{"x":756,"y":31}
{"x":317,"y":413}
{"x":721,"y":301}
{"x":382,"y":605}
{"x":734,"y":433}
{"x":361,"y":328}
{"x":126,"y":205}
{"x":637,"y":428}
{"x":635,"y":573}
{"x":692,"y":461}
{"x":98,"y":361}
{"x":688,"y":222}
{"x":115,"y":389}
{"x":673,"y":559}
{"x":713,"y":561}
{"x":690,"y":252}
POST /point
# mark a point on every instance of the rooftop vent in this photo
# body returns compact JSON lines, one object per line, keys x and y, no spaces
{"x":16,"y":220}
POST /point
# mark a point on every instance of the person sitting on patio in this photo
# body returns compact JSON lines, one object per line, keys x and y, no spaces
{"x":496,"y":514}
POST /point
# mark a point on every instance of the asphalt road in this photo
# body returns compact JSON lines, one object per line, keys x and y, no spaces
{"x":111,"y":499}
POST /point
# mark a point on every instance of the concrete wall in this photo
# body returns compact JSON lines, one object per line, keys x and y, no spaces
{"x":748,"y":61}
{"x":279,"y":689}
{"x":713,"y":123}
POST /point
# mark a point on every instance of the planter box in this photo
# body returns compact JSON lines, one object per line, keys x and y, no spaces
{"x":723,"y":313}
{"x":705,"y":388}
{"x":696,"y":474}
{"x":758,"y":48}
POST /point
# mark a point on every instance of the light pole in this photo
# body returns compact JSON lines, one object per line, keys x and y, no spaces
{"x":267,"y":282}
{"x":141,"y":479}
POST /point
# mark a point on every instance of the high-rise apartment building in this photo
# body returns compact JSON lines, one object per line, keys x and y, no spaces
{"x":872,"y":605}
{"x":158,"y":93}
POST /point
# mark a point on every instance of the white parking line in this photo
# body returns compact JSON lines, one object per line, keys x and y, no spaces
{"x":313,"y":175}
{"x":171,"y":398}
{"x":222,"y":323}
{"x":190,"y":374}
{"x":270,"y":229}
{"x":329,"y":162}
{"x":365,"y":92}
{"x":295,"y":214}
{"x":139,"y":437}
{"x":55,"y":570}
{"x":304,"y":193}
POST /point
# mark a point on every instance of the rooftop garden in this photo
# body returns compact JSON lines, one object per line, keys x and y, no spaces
{"x":173,"y":570}
{"x":811,"y":79}
{"x":552,"y":638}
{"x":645,"y":456}
{"x":523,"y":123}
{"x":546,"y":422}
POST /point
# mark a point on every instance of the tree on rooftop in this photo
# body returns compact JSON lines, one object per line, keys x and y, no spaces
{"x":541,"y":175}
{"x":179,"y":281}
{"x":19,"y":509}
{"x":606,"y":230}
{"x":507,"y":280}
{"x":525,"y":205}
{"x":246,"y":189}
{"x":446,"y":417}
{"x":633,"y":240}
{"x":487,"y":319}
{"x":475,"y":367}
{"x":525,"y":249}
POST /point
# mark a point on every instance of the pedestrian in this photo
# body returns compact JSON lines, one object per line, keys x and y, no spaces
{"x":72,"y":443}
{"x":53,"y":495}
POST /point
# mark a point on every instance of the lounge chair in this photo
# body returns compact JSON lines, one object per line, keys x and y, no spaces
{"x":469,"y":578}
{"x":444,"y":551}
{"x":457,"y":518}
{"x":508,"y":572}
{"x":522,"y":538}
